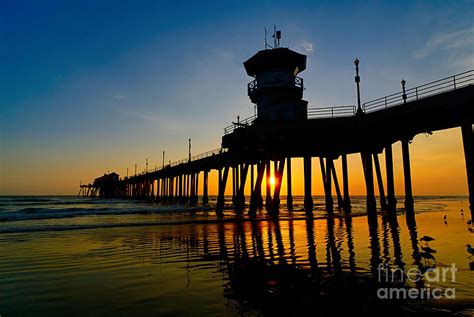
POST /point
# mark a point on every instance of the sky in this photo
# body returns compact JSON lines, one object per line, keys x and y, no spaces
{"x":88,"y":87}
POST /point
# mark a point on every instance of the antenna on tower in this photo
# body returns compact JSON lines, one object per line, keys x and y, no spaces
{"x":266,"y":43}
{"x":276,"y":37}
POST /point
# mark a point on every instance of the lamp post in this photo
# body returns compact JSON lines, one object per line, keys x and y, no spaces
{"x":146,"y":168}
{"x":404,"y":96}
{"x":135,"y":169}
{"x":163,"y":159}
{"x":357,"y":80}
{"x":189,"y":150}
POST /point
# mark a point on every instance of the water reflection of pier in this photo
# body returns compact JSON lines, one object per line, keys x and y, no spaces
{"x":282,"y":266}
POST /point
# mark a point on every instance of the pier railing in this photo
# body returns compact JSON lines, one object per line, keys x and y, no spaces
{"x":186,"y":160}
{"x":198,"y":157}
{"x":313,"y":113}
{"x":420,"y":92}
{"x":331,"y":112}
{"x":275,"y":81}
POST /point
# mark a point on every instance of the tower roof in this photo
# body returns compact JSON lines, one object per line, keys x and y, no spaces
{"x":278,"y":58}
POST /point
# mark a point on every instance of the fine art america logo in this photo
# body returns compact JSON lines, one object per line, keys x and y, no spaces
{"x":420,"y":278}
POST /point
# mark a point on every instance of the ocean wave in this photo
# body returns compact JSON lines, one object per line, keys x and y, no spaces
{"x":44,"y":228}
{"x":42,"y":213}
{"x":161,"y":222}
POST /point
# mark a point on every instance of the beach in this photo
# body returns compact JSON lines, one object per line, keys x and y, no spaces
{"x":124,"y":257}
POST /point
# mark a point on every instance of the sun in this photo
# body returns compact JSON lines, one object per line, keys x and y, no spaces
{"x":272,"y":180}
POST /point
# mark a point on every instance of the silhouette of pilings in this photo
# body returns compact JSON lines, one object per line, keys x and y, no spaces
{"x":367,"y":166}
{"x":278,"y":174}
{"x":345,"y":182}
{"x":468,"y":142}
{"x":221,"y":188}
{"x":268,"y":188}
{"x":256,"y":200}
{"x":391,"y":200}
{"x":340,"y":201}
{"x":289,"y":195}
{"x":326,"y":178}
{"x":383,"y":200}
{"x":409,"y":208}
{"x":205,"y":195}
{"x":88,"y":190}
{"x":241,"y":179}
{"x":181,"y":183}
{"x":308,"y":196}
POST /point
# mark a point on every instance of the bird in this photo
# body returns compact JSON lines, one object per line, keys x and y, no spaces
{"x":427,"y":239}
{"x":470,"y":249}
{"x":428,"y":250}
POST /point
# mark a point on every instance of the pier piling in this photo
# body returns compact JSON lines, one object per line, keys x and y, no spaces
{"x":378,"y":172}
{"x":345,"y":181}
{"x":409,"y":203}
{"x":308,"y":198}
{"x":468,"y":143}
{"x":369,"y":182}
{"x":289,"y":196}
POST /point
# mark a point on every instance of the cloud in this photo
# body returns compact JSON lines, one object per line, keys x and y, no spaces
{"x":118,"y":97}
{"x":457,"y":41}
{"x":307,"y":46}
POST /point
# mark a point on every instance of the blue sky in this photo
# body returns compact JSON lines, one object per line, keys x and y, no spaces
{"x":90,"y":86}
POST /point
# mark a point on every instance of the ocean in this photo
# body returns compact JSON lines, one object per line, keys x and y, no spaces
{"x":65,"y":255}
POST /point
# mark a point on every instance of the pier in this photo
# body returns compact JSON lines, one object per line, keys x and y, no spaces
{"x":284,"y":127}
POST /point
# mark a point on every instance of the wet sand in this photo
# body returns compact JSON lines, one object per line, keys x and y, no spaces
{"x":262,"y":267}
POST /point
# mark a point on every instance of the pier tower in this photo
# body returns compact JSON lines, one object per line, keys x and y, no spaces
{"x":276,"y":89}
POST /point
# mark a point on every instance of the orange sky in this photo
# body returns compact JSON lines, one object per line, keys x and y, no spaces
{"x":438,"y":168}
{"x":88,"y":87}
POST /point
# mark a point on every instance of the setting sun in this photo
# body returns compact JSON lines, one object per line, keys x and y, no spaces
{"x":272,"y":181}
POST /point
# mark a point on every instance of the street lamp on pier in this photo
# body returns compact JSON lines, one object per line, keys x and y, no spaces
{"x":189,"y":150}
{"x":404,"y":96}
{"x":357,"y":80}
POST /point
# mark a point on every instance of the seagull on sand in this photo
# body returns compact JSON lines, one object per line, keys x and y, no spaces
{"x":426,"y":239}
{"x":428,"y":250}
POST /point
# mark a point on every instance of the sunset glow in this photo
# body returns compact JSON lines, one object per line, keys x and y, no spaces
{"x":272,"y":181}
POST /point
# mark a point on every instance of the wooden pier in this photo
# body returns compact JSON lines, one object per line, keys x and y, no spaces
{"x":285,"y":128}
